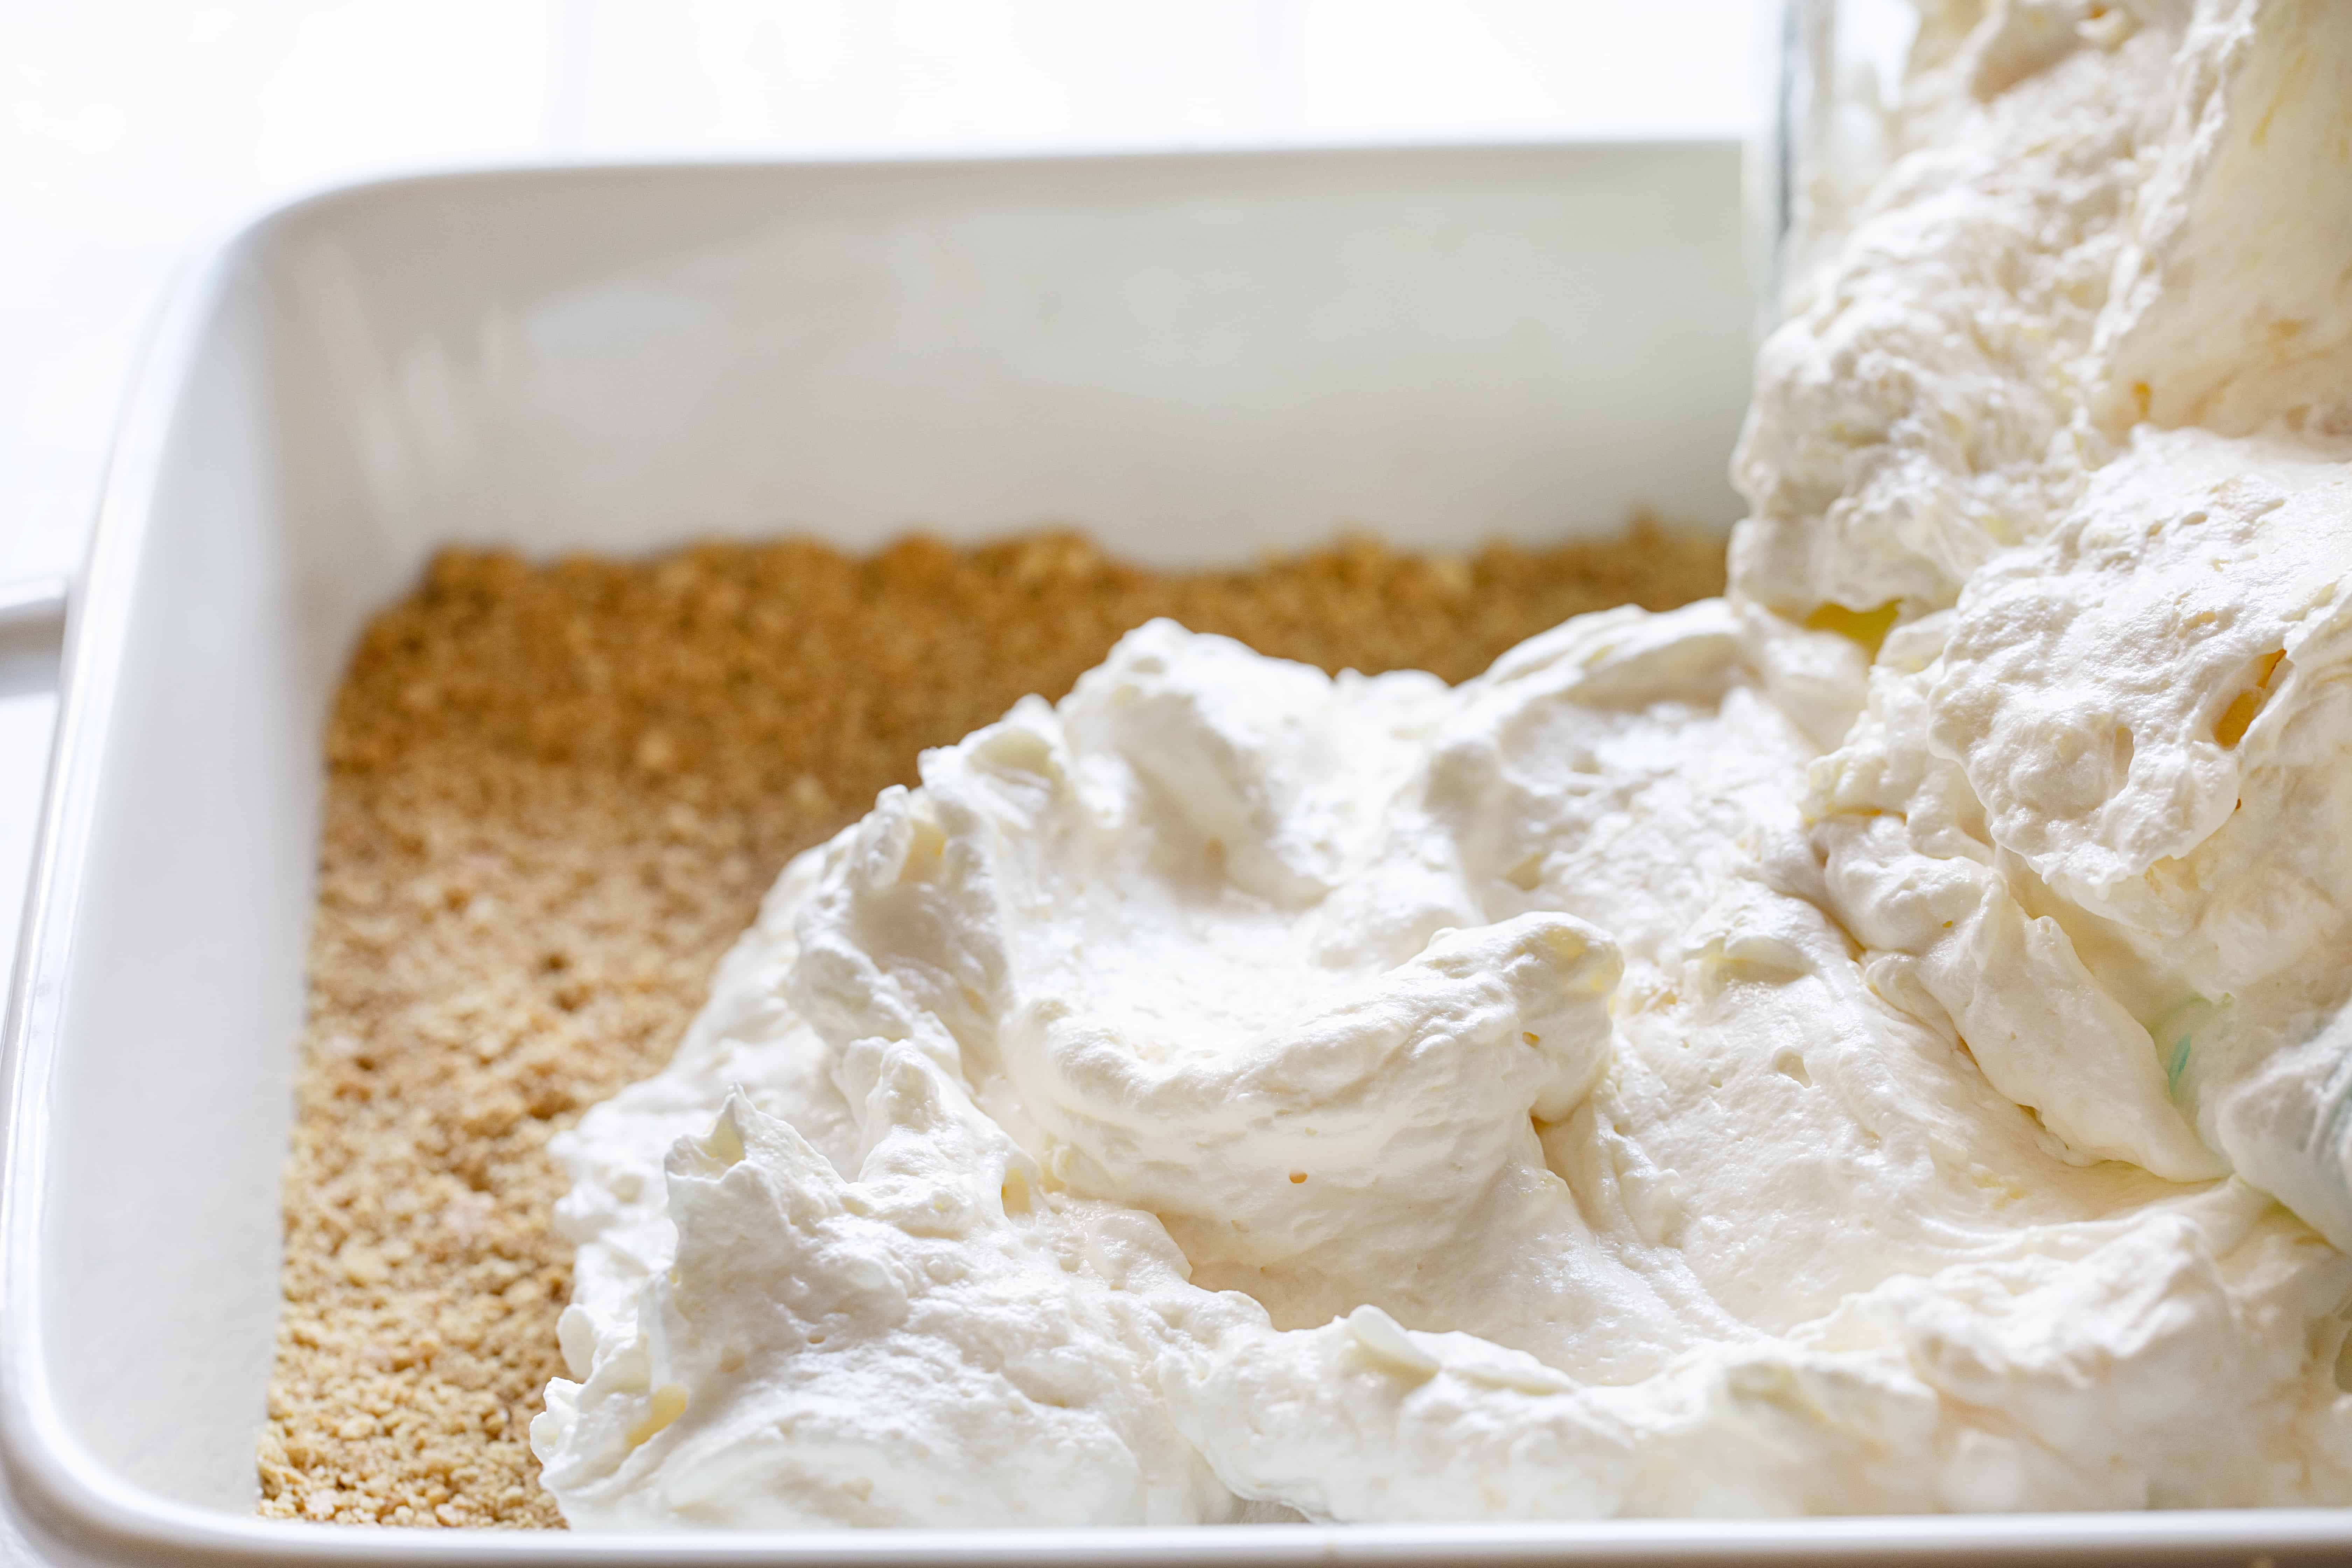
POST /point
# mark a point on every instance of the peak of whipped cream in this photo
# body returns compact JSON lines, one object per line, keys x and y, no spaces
{"x":1839,"y":1048}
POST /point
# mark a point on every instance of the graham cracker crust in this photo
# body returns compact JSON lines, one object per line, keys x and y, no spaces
{"x":555,"y":797}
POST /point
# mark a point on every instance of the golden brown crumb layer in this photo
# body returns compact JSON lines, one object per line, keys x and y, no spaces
{"x":555,"y":797}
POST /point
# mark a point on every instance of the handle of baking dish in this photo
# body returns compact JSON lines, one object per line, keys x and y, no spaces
{"x":32,"y":649}
{"x":33,"y":608}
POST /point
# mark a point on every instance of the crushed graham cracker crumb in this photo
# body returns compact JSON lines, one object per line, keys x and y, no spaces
{"x":555,"y":797}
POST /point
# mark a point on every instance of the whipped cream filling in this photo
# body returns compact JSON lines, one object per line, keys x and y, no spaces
{"x":1839,"y":1048}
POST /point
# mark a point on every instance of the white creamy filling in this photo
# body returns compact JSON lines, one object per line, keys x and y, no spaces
{"x":1790,"y":1054}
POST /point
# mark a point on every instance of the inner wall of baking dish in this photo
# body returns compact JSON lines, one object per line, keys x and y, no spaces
{"x":1195,"y":358}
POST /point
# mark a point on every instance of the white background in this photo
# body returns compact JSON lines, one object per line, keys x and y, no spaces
{"x":133,"y":130}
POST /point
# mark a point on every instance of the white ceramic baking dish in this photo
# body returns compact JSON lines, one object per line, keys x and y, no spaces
{"x":1196,"y":357}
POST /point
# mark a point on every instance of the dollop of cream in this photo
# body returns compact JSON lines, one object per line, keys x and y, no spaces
{"x":1868,"y":1043}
